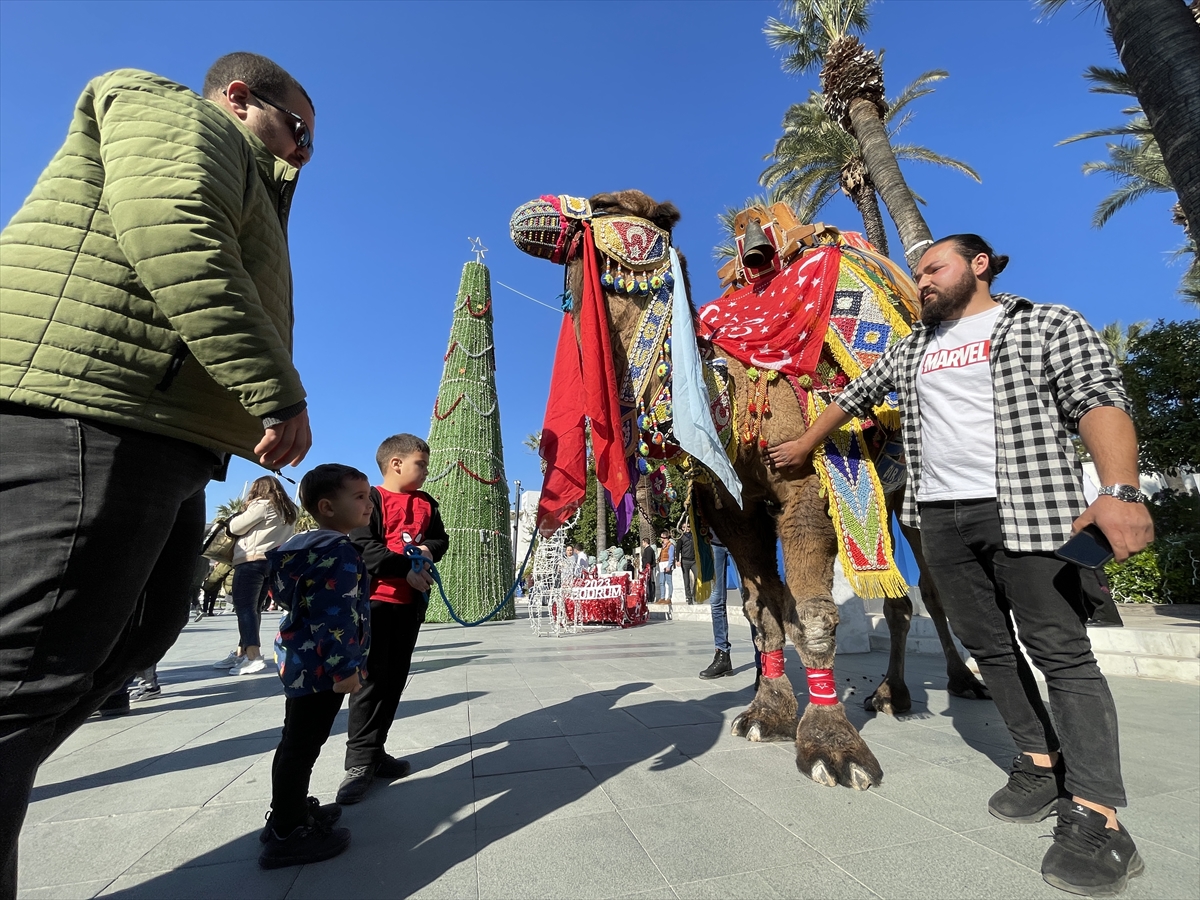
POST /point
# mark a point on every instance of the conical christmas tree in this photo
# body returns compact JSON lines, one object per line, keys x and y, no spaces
{"x":466,"y":462}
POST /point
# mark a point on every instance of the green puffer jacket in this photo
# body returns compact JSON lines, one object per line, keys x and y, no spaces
{"x":146,"y":282}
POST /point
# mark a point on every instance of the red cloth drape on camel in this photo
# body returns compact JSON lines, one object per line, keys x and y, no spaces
{"x":779,"y":324}
{"x":583,"y":385}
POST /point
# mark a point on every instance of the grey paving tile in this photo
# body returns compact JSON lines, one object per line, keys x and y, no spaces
{"x":216,"y":834}
{"x":1159,"y":818}
{"x":516,"y":799}
{"x":943,"y":794}
{"x":585,"y":857}
{"x":944,"y":749}
{"x":658,"y":893}
{"x":407,"y":814}
{"x":84,"y":890}
{"x":837,"y":821}
{"x":673,"y":711}
{"x":673,"y":780}
{"x":744,"y":884}
{"x":233,"y":880}
{"x":816,"y":880}
{"x":492,"y":725}
{"x":441,"y":867}
{"x":590,"y":714}
{"x":950,"y":867}
{"x":90,"y":849}
{"x":754,"y":767}
{"x":745,"y":838}
{"x":523,"y":756}
{"x":1168,"y":876}
{"x":158,"y":786}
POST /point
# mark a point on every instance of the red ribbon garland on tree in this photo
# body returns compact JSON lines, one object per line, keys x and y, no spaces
{"x":478,"y":315}
{"x":462,"y":465}
{"x":440,"y":416}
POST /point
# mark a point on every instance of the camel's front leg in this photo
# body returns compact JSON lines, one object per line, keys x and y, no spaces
{"x":892,"y":696}
{"x":829,"y":749}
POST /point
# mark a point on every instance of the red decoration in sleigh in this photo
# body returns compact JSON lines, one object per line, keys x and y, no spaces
{"x":608,"y":600}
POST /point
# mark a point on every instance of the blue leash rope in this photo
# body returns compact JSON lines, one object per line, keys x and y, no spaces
{"x":420,"y":563}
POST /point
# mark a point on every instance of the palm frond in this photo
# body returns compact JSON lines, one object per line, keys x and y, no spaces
{"x":1047,"y":8}
{"x":914,"y":90}
{"x":1109,"y":80}
{"x":810,"y":27}
{"x":924,"y":154}
{"x":1120,"y":198}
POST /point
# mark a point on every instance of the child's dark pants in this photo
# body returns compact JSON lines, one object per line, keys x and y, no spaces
{"x":307,"y":722}
{"x":394,"y":630}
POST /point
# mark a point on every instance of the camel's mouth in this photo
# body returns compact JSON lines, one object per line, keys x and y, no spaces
{"x":545,"y":227}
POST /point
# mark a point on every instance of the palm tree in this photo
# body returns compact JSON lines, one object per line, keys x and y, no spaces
{"x":1117,"y":338}
{"x":825,"y":33}
{"x":1136,"y":162}
{"x":1158,"y":43}
{"x":231,"y":507}
{"x":816,"y":156}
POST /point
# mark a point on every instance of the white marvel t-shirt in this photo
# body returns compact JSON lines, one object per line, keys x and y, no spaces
{"x":958,"y":420}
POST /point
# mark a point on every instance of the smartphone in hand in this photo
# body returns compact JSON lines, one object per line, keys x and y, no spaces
{"x":1089,"y":548}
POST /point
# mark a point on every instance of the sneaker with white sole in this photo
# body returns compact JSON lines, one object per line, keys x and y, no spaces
{"x":249,"y":667}
{"x":230,"y":661}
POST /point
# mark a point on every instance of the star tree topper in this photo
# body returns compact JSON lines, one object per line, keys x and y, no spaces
{"x":478,"y":249}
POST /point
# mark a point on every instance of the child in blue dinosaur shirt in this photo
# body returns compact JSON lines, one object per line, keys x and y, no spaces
{"x":320,"y":579}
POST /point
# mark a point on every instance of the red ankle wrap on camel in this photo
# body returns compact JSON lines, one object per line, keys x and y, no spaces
{"x":822,"y":690}
{"x":772,"y":664}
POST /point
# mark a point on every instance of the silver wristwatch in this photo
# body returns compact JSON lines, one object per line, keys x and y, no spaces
{"x":1126,"y":492}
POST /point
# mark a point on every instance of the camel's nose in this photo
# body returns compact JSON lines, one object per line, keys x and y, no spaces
{"x":538,"y":228}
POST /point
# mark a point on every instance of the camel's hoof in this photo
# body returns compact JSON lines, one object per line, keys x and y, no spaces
{"x":964,"y":684}
{"x":830,"y":751}
{"x":889,"y":700}
{"x":821,"y":775}
{"x":755,"y":725}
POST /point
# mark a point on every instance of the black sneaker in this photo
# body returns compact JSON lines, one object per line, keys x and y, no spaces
{"x":354,"y":786}
{"x":324,"y":816}
{"x":306,"y":844}
{"x":390,"y":767}
{"x":117,"y":704}
{"x":719,"y":667}
{"x":1087,"y":857}
{"x":1031,"y":794}
{"x":144,"y":692}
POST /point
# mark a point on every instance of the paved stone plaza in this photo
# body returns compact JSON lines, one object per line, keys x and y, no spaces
{"x":594,"y":765}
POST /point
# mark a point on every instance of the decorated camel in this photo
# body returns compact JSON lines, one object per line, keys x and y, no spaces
{"x":628,"y":362}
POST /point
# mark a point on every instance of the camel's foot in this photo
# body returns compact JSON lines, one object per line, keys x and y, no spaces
{"x":771,"y":715}
{"x":891,"y":698}
{"x":963,"y":683}
{"x":830,"y":751}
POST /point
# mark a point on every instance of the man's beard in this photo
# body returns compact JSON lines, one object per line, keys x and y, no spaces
{"x":943,"y":304}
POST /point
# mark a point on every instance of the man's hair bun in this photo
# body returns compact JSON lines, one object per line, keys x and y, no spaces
{"x":970,"y":246}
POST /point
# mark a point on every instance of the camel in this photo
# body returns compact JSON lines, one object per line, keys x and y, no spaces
{"x":785,"y":504}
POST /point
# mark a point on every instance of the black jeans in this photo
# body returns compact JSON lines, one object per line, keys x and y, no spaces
{"x":99,"y":531}
{"x":980,"y":583}
{"x":689,"y":580}
{"x":307,"y":722}
{"x":394,"y":630}
{"x":249,"y":589}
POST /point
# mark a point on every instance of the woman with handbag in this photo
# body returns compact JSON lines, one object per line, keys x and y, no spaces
{"x":268,"y":520}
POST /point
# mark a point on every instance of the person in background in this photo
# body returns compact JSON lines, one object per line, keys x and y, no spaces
{"x":650,"y":562}
{"x":268,"y":520}
{"x":146,"y":314}
{"x":721,"y":665}
{"x":685,"y":555}
{"x":323,"y":645}
{"x":404,"y":519}
{"x":666,"y":568}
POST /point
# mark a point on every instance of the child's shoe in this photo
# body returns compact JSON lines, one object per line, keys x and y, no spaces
{"x":305,"y":844}
{"x":325,"y":816}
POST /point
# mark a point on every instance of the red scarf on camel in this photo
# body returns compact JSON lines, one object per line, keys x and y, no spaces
{"x":584,"y":384}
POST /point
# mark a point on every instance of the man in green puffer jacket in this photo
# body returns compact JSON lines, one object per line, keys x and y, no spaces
{"x":145,"y":335}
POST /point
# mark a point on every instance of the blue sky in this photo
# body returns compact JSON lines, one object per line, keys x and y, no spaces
{"x":436,"y":120}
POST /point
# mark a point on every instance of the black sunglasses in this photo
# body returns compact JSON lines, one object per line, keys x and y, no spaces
{"x":299,"y":127}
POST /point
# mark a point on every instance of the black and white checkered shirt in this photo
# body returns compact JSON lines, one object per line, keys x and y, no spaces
{"x":1049,"y":368}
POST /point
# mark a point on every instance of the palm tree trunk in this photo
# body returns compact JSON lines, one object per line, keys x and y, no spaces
{"x":1158,"y":42}
{"x":885,"y":172}
{"x":868,"y":207}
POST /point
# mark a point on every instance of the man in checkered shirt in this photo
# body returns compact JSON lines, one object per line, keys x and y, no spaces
{"x":991,"y":389}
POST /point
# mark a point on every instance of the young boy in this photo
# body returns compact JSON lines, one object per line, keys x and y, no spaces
{"x":402,"y":516}
{"x":322,"y":645}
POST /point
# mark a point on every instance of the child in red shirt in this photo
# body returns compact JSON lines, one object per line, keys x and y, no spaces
{"x":402,"y":516}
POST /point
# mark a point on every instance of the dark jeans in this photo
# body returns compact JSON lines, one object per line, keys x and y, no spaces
{"x":99,"y":531}
{"x":689,"y":580}
{"x":307,"y":722}
{"x":717,"y":601}
{"x":249,"y":588}
{"x":980,"y":584}
{"x":394,"y":630}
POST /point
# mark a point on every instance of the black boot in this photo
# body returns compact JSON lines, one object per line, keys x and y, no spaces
{"x":719,"y":667}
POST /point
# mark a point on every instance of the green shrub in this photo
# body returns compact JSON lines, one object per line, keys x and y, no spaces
{"x":1168,"y":571}
{"x":1138,"y":579}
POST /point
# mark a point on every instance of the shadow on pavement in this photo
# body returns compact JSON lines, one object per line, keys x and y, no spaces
{"x":411,"y":833}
